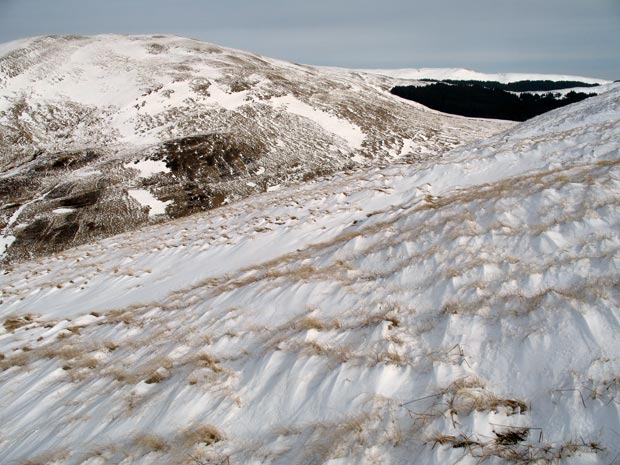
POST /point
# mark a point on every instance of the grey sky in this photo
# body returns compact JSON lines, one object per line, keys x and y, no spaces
{"x":554,"y":36}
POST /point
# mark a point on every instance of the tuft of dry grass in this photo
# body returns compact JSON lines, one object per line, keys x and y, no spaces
{"x":456,"y":442}
{"x":19,"y":360}
{"x":156,"y":377}
{"x":509,"y":406}
{"x":204,"y":434}
{"x":206,"y":360}
{"x":308,"y":323}
{"x":151,"y":443}
{"x":465,"y":400}
{"x":110,"y":346}
{"x":313,"y":348}
{"x":120,"y":375}
{"x":507,"y":446}
{"x":14,"y":322}
{"x":390,"y":357}
{"x":387,"y":313}
{"x":512,"y":436}
{"x":85,"y":362}
{"x":442,"y":439}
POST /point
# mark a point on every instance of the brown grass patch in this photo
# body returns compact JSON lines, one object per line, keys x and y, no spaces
{"x":151,"y":443}
{"x":204,"y":434}
{"x":15,"y":322}
{"x":512,"y":436}
{"x":208,"y":361}
{"x":19,"y":360}
{"x":155,"y":377}
{"x":309,"y":323}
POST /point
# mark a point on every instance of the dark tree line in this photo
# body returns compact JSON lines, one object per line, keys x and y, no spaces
{"x":521,"y":86}
{"x":476,"y":100}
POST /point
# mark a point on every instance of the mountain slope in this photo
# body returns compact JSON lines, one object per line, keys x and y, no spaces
{"x":461,"y":310}
{"x":99,"y":135}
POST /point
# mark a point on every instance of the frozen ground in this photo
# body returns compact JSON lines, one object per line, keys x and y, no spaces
{"x":459,"y":311}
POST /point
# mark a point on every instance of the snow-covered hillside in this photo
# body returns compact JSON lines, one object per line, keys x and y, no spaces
{"x":460,"y":310}
{"x":462,"y":74}
{"x":82,"y":119}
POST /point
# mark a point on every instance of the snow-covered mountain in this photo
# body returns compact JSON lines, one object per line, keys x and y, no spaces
{"x":99,"y":135}
{"x":464,"y":309}
{"x":463,"y":74}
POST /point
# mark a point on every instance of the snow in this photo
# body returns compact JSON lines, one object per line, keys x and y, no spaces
{"x":350,"y":132}
{"x":600,"y":89}
{"x":371,"y":317}
{"x":227,"y":100}
{"x":148,"y":168}
{"x":146,"y":199}
{"x":63,"y":211}
{"x":8,"y":47}
{"x":5,"y":243}
{"x":461,"y":74}
{"x":84,"y":173}
{"x":7,"y":239}
{"x":358,"y":159}
{"x":409,"y":146}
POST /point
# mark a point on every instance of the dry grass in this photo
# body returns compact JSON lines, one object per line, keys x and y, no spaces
{"x":110,"y":346}
{"x":125,"y":316}
{"x":151,"y":443}
{"x":208,"y":361}
{"x":308,"y":323}
{"x":313,"y":348}
{"x":456,"y":442}
{"x":512,"y":436}
{"x":387,"y":313}
{"x":390,"y":357}
{"x":120,"y":375}
{"x":510,"y":443}
{"x":468,"y":395}
{"x":15,"y":322}
{"x":157,"y":376}
{"x":47,"y":458}
{"x":18,"y":360}
{"x":204,"y":434}
{"x":63,"y":352}
{"x":510,"y":446}
{"x":84,"y":362}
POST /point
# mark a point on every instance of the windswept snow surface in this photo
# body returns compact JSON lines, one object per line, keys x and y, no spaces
{"x":464,"y":310}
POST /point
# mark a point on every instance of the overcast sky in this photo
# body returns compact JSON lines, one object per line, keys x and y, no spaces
{"x":553,"y":36}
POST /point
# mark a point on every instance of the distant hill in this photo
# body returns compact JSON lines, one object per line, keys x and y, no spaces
{"x":100,"y":135}
{"x":521,"y":86}
{"x":461,"y":74}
